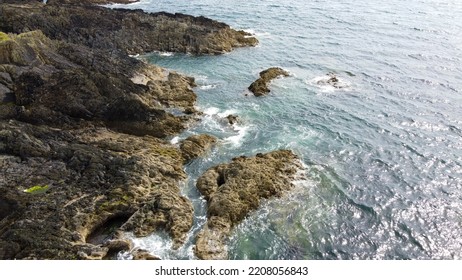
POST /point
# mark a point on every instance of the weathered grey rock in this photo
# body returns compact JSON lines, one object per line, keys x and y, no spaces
{"x":260,"y":86}
{"x":196,"y":146}
{"x":233,"y":190}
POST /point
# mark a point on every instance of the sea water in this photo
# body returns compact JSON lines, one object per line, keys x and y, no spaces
{"x":383,"y":153}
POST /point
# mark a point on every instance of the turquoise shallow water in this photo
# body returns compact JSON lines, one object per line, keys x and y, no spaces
{"x":383,"y":156}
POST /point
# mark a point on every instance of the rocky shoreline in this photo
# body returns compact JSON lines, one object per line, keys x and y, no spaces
{"x":83,"y":155}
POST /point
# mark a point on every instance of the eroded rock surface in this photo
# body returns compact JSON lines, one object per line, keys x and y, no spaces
{"x":81,"y":126}
{"x":233,"y":190}
{"x":83,"y":140}
{"x":196,"y":146}
{"x":260,"y":86}
{"x":130,"y":31}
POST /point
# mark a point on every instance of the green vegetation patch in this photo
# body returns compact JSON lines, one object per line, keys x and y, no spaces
{"x":4,"y":37}
{"x":37,"y":189}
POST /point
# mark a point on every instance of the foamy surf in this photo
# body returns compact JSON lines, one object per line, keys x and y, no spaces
{"x":330,"y":83}
{"x":236,"y":140}
{"x":166,"y":54}
{"x":256,"y":33}
{"x":207,"y":87}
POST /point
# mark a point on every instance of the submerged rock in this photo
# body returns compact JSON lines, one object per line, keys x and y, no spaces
{"x":260,"y":86}
{"x":232,"y":119}
{"x":196,"y":146}
{"x":233,"y":190}
{"x":332,"y":80}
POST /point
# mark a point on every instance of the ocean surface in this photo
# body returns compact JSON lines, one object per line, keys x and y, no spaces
{"x":383,"y":154}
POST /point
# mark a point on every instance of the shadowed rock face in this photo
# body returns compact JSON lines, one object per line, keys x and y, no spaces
{"x":260,"y":86}
{"x":235,"y":189}
{"x":131,"y":31}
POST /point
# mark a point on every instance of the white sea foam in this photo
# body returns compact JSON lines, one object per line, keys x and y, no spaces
{"x":175,"y":140}
{"x":236,"y":140}
{"x":158,"y":245}
{"x":207,"y":87}
{"x":227,"y":113}
{"x":255,"y":33}
{"x":322,"y":82}
{"x":201,"y":78}
{"x":211,"y":111}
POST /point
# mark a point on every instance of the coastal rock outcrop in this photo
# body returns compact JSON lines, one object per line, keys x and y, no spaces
{"x":129,"y":31}
{"x":233,"y":190}
{"x":196,"y":146}
{"x":80,"y":154}
{"x":260,"y":86}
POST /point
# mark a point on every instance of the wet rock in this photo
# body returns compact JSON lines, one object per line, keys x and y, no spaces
{"x":131,"y":31}
{"x":233,"y":190}
{"x":260,"y":86}
{"x":140,"y":254}
{"x":115,"y":246}
{"x":174,"y":91}
{"x":166,"y":210}
{"x":196,"y":146}
{"x":232,"y":119}
{"x":332,"y":80}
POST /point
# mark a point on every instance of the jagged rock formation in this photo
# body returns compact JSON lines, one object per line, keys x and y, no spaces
{"x":233,"y":190}
{"x":81,"y":126}
{"x":196,"y":146}
{"x":65,"y":175}
{"x":260,"y":86}
{"x":132,"y":31}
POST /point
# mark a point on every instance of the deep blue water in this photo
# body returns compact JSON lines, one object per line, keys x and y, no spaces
{"x":383,"y":155}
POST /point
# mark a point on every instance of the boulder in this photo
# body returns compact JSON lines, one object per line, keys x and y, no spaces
{"x":235,"y":189}
{"x":232,"y":119}
{"x":196,"y":146}
{"x":260,"y":86}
